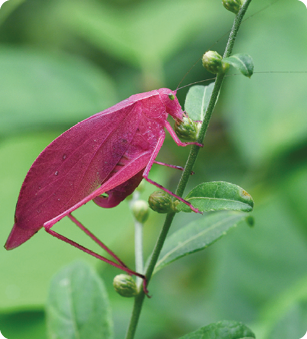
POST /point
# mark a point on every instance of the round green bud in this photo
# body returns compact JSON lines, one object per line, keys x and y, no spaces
{"x":232,"y":5}
{"x":213,"y":62}
{"x":140,"y":211}
{"x":125,"y":285}
{"x":160,"y":202}
{"x":187,"y":129}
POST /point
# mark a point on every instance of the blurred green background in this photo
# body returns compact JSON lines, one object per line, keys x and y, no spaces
{"x":62,"y":61}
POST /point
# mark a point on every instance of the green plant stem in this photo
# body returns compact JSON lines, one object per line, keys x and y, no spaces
{"x":138,"y":240}
{"x":138,"y":245}
{"x":139,"y":299}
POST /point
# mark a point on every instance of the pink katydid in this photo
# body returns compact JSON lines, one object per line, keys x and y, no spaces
{"x":109,"y":152}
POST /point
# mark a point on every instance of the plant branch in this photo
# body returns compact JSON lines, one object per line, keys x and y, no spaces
{"x":138,"y":241}
{"x":139,"y":299}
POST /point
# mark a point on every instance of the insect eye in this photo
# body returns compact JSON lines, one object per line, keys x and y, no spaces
{"x":171,"y":96}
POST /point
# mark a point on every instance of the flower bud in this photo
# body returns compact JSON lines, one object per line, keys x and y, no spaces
{"x":140,"y":210}
{"x":187,"y":129}
{"x":232,"y":5}
{"x":160,"y":202}
{"x":213,"y":62}
{"x":125,"y":285}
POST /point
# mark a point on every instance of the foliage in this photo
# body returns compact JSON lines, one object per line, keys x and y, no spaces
{"x":62,"y":61}
{"x":222,"y":330}
{"x":78,"y":305}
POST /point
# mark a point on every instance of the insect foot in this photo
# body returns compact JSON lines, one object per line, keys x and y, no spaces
{"x":187,"y":129}
{"x":194,"y":209}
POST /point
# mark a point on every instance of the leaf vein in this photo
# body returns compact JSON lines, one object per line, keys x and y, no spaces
{"x":194,"y":237}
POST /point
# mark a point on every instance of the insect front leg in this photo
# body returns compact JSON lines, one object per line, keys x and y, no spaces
{"x":176,"y":139}
{"x":148,"y":167}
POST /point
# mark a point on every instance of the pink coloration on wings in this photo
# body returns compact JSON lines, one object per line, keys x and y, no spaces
{"x":107,"y":153}
{"x":119,"y":193}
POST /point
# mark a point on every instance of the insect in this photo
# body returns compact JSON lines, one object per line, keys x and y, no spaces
{"x":102,"y":158}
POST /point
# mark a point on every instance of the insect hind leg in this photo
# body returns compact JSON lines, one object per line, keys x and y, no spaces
{"x":96,"y":255}
{"x":93,"y":237}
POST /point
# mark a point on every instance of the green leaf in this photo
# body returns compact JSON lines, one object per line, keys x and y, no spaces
{"x":222,"y":330}
{"x":197,"y":235}
{"x":197,"y":101}
{"x":56,"y":90}
{"x":78,"y":306}
{"x":143,"y":34}
{"x":242,"y":62}
{"x":216,"y":196}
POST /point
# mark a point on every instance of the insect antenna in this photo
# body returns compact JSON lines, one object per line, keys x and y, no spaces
{"x":231,"y":75}
{"x":260,"y":10}
{"x":215,"y":43}
{"x":187,"y":74}
{"x":193,"y":83}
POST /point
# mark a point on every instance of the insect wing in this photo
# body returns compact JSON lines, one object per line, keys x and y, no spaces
{"x":72,"y":166}
{"x":119,"y":193}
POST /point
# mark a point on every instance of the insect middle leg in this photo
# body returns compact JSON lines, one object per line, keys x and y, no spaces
{"x":180,"y":168}
{"x":148,"y":167}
